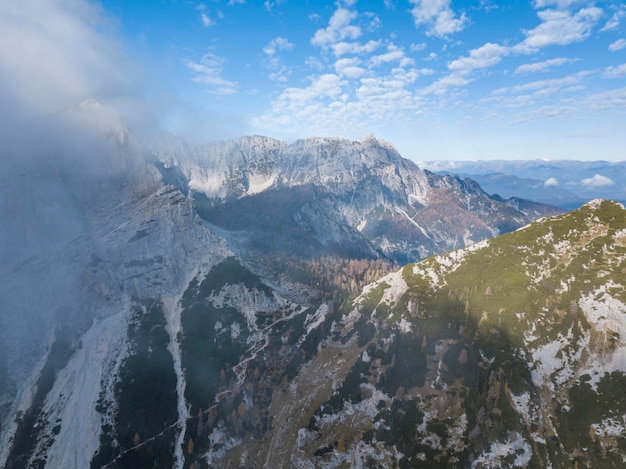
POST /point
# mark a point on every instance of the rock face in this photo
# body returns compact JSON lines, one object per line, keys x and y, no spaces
{"x":334,"y":195}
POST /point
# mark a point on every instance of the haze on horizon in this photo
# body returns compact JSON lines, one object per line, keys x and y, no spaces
{"x":440,"y":79}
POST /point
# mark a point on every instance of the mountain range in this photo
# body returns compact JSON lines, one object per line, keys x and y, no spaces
{"x":332,"y":195}
{"x":565,"y":183}
{"x":254,"y":303}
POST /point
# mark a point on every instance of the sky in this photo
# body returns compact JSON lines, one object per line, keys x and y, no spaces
{"x":440,"y":79}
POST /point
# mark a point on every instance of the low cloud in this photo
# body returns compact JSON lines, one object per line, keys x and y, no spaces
{"x":597,"y":181}
{"x":551,"y":182}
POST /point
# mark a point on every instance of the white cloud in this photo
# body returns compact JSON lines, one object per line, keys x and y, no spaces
{"x":546,"y":65}
{"x":552,"y":112}
{"x":604,"y":100}
{"x":339,"y":28}
{"x":618,"y":45}
{"x":355,"y":48}
{"x":597,"y":181}
{"x":337,"y":104}
{"x":56,"y":53}
{"x":397,"y":80}
{"x":618,"y":71}
{"x":439,"y":17}
{"x":349,"y":67}
{"x":552,"y":84}
{"x":206,"y":21}
{"x":277,"y":44}
{"x":269,"y":6}
{"x":557,"y":3}
{"x":209,"y":72}
{"x":482,"y":57}
{"x":236,"y":2}
{"x":443,"y":84}
{"x":417,"y":47}
{"x":551,"y":182}
{"x":293,"y":99}
{"x":559,"y":27}
{"x":280,"y":72}
{"x":393,"y":54}
{"x":613,"y":21}
{"x":375,"y":22}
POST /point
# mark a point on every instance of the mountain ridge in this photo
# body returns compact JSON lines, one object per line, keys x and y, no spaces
{"x":365,"y":186}
{"x":479,"y":371}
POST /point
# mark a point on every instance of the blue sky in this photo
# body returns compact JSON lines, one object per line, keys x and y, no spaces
{"x":440,"y":79}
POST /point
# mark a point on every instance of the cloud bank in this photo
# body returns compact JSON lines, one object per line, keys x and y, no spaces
{"x":55,"y":53}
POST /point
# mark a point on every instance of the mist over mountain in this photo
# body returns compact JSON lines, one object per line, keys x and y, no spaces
{"x":88,"y":227}
{"x":221,"y":304}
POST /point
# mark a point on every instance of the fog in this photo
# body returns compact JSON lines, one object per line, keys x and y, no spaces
{"x":54,"y":55}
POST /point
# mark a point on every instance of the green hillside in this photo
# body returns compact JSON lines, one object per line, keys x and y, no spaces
{"x":509,"y":353}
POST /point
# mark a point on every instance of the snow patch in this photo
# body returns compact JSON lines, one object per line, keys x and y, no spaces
{"x":522,"y":405}
{"x":612,"y":426}
{"x":607,"y":315}
{"x":605,"y":312}
{"x":405,"y":326}
{"x":314,"y":320}
{"x":515,"y":445}
{"x":220,"y":444}
{"x":556,"y":360}
{"x":397,"y":288}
